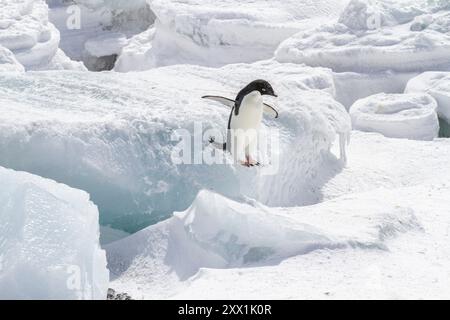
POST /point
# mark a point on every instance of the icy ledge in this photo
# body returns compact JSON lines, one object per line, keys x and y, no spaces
{"x":49,"y":241}
{"x":117,"y":138}
{"x":216,"y":232}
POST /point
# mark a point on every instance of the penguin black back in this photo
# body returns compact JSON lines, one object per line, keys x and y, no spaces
{"x":262,"y":86}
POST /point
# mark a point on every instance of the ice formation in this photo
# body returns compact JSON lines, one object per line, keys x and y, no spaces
{"x":25,"y":30}
{"x":215,"y":33}
{"x":8,"y":61}
{"x":410,"y":116}
{"x":116,"y":140}
{"x":104,"y":28}
{"x":49,"y":241}
{"x":437,"y":84}
{"x":375,"y":36}
{"x":219,"y":233}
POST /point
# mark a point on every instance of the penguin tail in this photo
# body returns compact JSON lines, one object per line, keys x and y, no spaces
{"x":217,"y":145}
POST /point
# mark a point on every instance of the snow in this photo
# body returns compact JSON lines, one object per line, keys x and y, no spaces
{"x":409,"y":116}
{"x":25,"y":30}
{"x":8,"y":61}
{"x":352,"y":245}
{"x":104,"y":27}
{"x":437,"y":84}
{"x":49,"y":246}
{"x":374,"y":37}
{"x":106,"y":45}
{"x":215,"y":33}
{"x":116,"y":139}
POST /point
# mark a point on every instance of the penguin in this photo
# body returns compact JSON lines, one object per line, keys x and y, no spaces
{"x":245,"y":120}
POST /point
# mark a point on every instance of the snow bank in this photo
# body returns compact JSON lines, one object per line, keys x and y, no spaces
{"x":215,"y":33}
{"x":218,"y":233}
{"x":410,"y":116}
{"x":25,"y":30}
{"x":8,"y":62}
{"x":49,"y":241}
{"x":437,"y":84}
{"x":376,"y":36}
{"x":116,"y":138}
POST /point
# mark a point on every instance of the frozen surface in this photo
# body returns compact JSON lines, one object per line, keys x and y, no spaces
{"x":437,"y":84}
{"x":115,"y":140}
{"x":350,"y":246}
{"x":409,"y":116}
{"x":214,"y":33}
{"x":104,"y":26}
{"x":26,"y":31}
{"x":8,"y":61}
{"x":49,"y":241}
{"x":376,"y":36}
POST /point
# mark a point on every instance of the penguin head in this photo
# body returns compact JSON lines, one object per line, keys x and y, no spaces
{"x":262,"y":86}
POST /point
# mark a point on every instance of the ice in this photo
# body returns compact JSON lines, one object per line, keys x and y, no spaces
{"x":409,"y":116}
{"x":437,"y":84}
{"x":49,"y":241}
{"x":25,"y":30}
{"x":8,"y":61}
{"x":218,"y":233}
{"x":374,"y":37}
{"x":115,"y":140}
{"x":215,"y":33}
{"x":104,"y":29}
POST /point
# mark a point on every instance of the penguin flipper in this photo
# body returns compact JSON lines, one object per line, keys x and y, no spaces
{"x":225,"y":101}
{"x":268,"y":109}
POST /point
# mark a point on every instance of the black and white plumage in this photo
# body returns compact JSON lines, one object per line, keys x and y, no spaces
{"x":246,"y":116}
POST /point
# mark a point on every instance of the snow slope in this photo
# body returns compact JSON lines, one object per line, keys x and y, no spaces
{"x":26,"y":31}
{"x":117,"y":139}
{"x":408,"y":116}
{"x":351,"y":246}
{"x":370,"y":36}
{"x":215,"y":33}
{"x":49,"y":241}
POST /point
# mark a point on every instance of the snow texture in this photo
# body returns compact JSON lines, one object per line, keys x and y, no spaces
{"x":352,"y":245}
{"x":215,"y":33}
{"x":373,"y":36}
{"x":409,"y":116}
{"x":8,"y":61}
{"x":116,"y":139}
{"x":437,"y":84}
{"x":25,"y":30}
{"x":49,"y":247}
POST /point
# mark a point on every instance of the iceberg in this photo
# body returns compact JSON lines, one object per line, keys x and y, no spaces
{"x":49,"y":241}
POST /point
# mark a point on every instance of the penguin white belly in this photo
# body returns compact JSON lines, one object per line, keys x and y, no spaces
{"x":250,"y":113}
{"x":246,"y":125}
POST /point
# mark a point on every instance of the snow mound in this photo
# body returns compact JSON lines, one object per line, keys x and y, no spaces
{"x":26,"y":31}
{"x":410,"y":116}
{"x":375,"y":36}
{"x":49,"y":241}
{"x":118,"y":138}
{"x":437,"y":84}
{"x":216,"y":33}
{"x":218,"y":233}
{"x":8,"y":62}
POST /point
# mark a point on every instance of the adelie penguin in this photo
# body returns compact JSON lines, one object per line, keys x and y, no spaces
{"x":245,"y":120}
